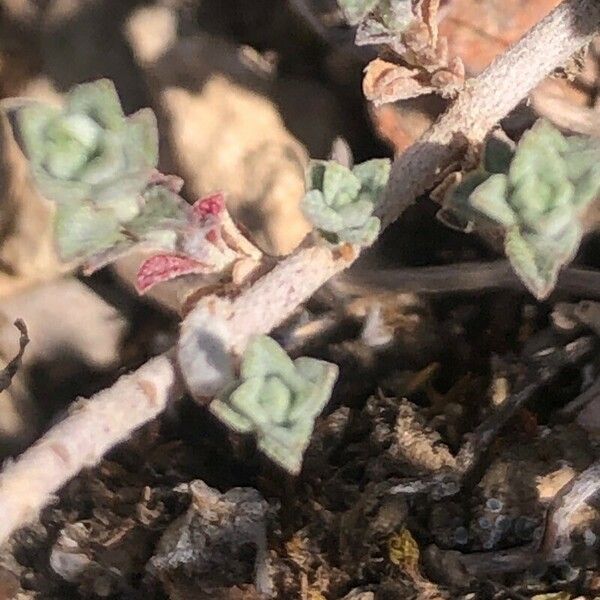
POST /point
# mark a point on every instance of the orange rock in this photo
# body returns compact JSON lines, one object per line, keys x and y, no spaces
{"x":479,"y":30}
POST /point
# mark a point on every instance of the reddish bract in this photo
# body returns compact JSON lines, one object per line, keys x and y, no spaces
{"x":212,"y":236}
{"x":164,"y":267}
{"x":210,"y":205}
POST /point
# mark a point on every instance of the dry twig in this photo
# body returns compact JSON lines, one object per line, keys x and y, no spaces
{"x":543,"y":368}
{"x":92,"y":428}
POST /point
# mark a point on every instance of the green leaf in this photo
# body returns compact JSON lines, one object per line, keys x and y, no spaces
{"x":538,"y":155}
{"x":583,"y":167}
{"x":82,"y":230}
{"x":537,"y":260}
{"x":457,"y":212}
{"x":59,"y":190}
{"x":319,"y":213}
{"x":373,"y":176}
{"x":245,"y":399}
{"x":141,"y":140}
{"x":276,"y":399}
{"x":231,"y":417}
{"x":489,"y":199}
{"x":98,"y":100}
{"x":340,"y":185}
{"x":162,"y":209}
{"x":364,"y":235}
{"x":108,"y":162}
{"x":32,"y":121}
{"x":536,"y":272}
{"x":265,"y":357}
{"x":355,"y":214}
{"x":555,"y":221}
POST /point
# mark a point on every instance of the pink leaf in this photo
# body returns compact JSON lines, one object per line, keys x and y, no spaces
{"x":164,"y":267}
{"x":211,"y":205}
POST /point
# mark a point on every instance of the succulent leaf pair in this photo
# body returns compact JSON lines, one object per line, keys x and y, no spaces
{"x":537,"y":193}
{"x":340,"y":201}
{"x":277,"y":400}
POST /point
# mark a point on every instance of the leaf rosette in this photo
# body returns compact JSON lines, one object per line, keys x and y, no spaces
{"x":277,"y":400}
{"x":537,"y":192}
{"x":89,"y":150}
{"x":340,"y":202}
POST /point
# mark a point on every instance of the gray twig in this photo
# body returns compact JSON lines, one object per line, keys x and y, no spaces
{"x":571,"y":499}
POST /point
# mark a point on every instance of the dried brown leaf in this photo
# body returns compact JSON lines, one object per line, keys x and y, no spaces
{"x":418,"y":65}
{"x":427,"y":11}
{"x":387,"y":82}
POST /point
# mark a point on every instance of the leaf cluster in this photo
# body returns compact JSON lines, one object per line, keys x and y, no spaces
{"x":340,"y":201}
{"x":277,"y":400}
{"x":537,"y":192}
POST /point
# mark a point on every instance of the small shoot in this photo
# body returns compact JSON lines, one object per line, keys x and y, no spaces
{"x":99,"y":168}
{"x":538,"y":193}
{"x":94,"y":163}
{"x":340,"y":201}
{"x":277,"y":400}
{"x":379,"y":21}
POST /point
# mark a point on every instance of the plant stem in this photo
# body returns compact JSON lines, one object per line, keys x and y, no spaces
{"x":109,"y":417}
{"x":91,"y":429}
{"x":488,"y":98}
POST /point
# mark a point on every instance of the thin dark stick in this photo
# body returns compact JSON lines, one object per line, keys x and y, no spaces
{"x":483,"y":436}
{"x":466,"y":277}
{"x":7,"y":374}
{"x":490,"y":564}
{"x":570,"y":410}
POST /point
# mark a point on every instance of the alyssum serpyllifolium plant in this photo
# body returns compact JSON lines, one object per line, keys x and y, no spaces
{"x":537,"y":192}
{"x":99,"y":168}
